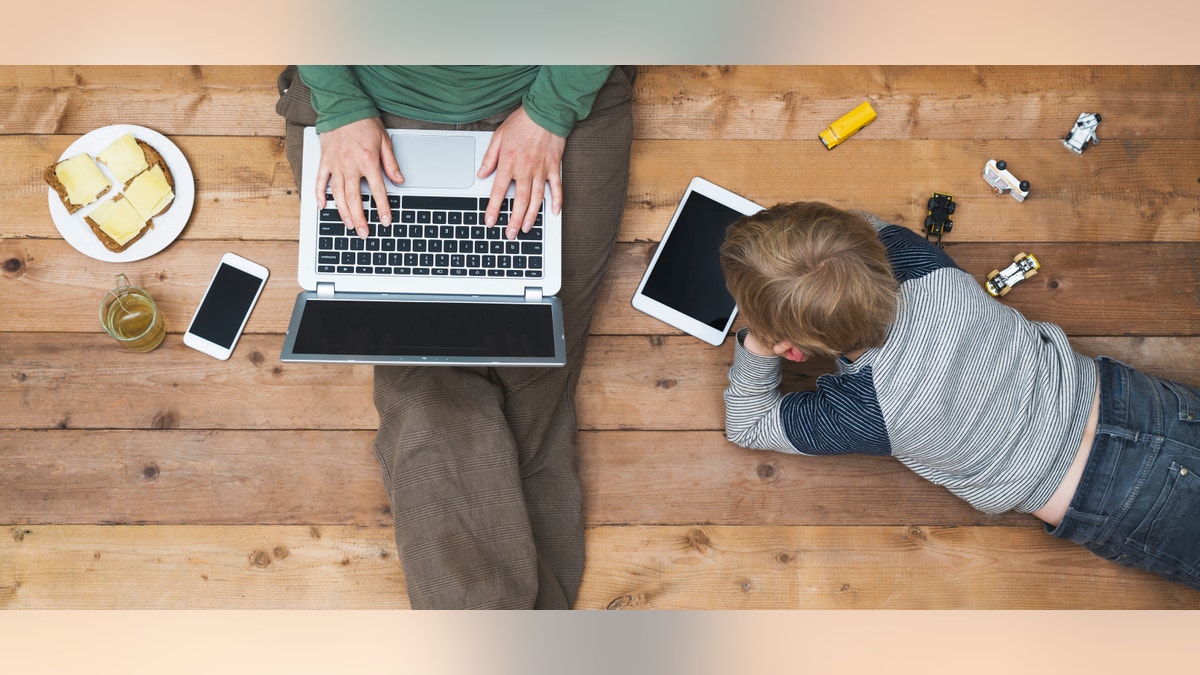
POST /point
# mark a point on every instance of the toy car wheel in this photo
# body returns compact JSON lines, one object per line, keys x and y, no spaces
{"x":950,"y":208}
{"x":1024,"y":186}
{"x":1002,"y":165}
{"x":928,"y":222}
{"x":949,"y":224}
{"x":932,"y":203}
{"x":1097,"y":118}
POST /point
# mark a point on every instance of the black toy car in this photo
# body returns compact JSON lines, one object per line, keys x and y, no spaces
{"x":937,"y":221}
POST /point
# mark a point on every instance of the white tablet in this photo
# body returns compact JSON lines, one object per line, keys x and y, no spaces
{"x":684,"y":286}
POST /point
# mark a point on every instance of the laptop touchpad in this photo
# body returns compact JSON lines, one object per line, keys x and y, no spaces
{"x":436,"y":161}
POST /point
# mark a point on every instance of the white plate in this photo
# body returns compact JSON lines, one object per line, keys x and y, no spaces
{"x":166,"y":227}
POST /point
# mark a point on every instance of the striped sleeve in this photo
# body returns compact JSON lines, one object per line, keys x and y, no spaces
{"x":841,"y":416}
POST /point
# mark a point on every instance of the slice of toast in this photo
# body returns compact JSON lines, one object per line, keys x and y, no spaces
{"x":152,"y":159}
{"x":117,"y":215}
{"x":150,"y":192}
{"x":82,"y":169}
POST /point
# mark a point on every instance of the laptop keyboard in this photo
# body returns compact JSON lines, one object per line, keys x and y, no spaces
{"x":429,"y":236}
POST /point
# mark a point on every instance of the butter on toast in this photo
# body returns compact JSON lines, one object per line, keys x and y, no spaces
{"x":77,"y":180}
{"x":117,"y":224}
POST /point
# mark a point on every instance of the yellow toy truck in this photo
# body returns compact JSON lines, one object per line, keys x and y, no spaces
{"x":847,"y":125}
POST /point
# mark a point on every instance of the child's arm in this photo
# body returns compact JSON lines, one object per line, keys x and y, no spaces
{"x":752,"y":418}
{"x":841,"y":416}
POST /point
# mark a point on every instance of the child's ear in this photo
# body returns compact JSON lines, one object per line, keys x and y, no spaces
{"x":790,"y":352}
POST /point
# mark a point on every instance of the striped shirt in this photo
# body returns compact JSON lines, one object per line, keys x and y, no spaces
{"x":965,"y":391}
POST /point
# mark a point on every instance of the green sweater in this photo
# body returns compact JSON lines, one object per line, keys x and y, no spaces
{"x":555,"y":97}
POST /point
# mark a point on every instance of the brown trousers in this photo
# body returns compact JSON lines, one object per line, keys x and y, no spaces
{"x":479,"y":463}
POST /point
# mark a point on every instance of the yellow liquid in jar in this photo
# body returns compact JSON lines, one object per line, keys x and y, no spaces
{"x":133,"y":320}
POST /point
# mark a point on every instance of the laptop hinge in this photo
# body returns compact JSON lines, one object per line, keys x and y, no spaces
{"x":533,"y":295}
{"x":324,"y":289}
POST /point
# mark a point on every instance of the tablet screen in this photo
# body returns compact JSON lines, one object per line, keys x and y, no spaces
{"x":687,"y":276}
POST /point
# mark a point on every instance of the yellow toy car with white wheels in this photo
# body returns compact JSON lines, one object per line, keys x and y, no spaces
{"x":1000,"y":282}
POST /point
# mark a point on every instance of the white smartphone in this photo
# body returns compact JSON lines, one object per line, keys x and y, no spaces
{"x":684,"y":285}
{"x":226,"y":306}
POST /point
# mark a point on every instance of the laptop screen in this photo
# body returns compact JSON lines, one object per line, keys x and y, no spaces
{"x":425,"y":328}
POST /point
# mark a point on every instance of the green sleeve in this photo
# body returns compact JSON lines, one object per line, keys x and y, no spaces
{"x":337,"y":96}
{"x":560,"y":96}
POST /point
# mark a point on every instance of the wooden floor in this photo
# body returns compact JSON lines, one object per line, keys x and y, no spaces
{"x":172,"y":480}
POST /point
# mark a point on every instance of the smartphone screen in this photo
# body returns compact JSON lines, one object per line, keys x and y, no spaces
{"x":223,"y":311}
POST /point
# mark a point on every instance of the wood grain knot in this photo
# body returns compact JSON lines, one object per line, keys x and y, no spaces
{"x":667,"y":383}
{"x":784,"y":558}
{"x":746,"y":586}
{"x":257,"y":358}
{"x":768,"y":473}
{"x":13,"y":266}
{"x":280,"y":552}
{"x":18,"y":533}
{"x":697,"y":539}
{"x":260,"y":559}
{"x":150,"y":472}
{"x":620,"y":602}
{"x":165,"y":420}
{"x":917,"y":534}
{"x":656,"y":341}
{"x":1053,"y":283}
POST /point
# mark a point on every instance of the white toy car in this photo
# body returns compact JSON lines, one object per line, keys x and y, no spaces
{"x":1001,"y":282}
{"x":1083,"y":133}
{"x":997,"y":175}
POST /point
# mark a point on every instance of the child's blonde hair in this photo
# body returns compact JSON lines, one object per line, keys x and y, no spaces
{"x":811,"y":274}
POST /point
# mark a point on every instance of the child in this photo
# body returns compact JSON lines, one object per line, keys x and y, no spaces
{"x":960,"y":388}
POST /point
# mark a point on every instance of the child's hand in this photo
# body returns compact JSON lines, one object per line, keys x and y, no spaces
{"x":753,"y":346}
{"x":785,"y":349}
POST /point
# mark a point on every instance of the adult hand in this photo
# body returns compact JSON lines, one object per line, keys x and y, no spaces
{"x":350,"y":153}
{"x":524,"y":152}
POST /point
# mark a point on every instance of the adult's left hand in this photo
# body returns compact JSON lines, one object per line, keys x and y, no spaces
{"x":524,"y":152}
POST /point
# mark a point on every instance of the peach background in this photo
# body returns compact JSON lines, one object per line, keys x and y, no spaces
{"x":707,"y":31}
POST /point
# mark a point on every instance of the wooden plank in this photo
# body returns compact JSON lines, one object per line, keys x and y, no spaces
{"x":1121,"y":191}
{"x":292,"y":477}
{"x":671,"y":102}
{"x":917,"y":102}
{"x":914,"y":567}
{"x":199,"y":567}
{"x":193,"y":100}
{"x":282,"y":477}
{"x":1079,"y":287}
{"x":301,"y":567}
{"x":627,"y":383}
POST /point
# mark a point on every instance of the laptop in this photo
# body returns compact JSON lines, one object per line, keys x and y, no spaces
{"x":437,"y":287}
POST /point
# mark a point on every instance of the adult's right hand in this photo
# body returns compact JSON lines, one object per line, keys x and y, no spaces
{"x":349,"y":154}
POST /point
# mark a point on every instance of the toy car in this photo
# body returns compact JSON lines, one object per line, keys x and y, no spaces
{"x":937,"y":220}
{"x":1083,"y":133}
{"x":1001,"y":282}
{"x":997,"y":175}
{"x":847,"y":125}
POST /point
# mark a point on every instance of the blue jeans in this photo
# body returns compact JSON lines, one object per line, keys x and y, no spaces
{"x":1138,"y":501}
